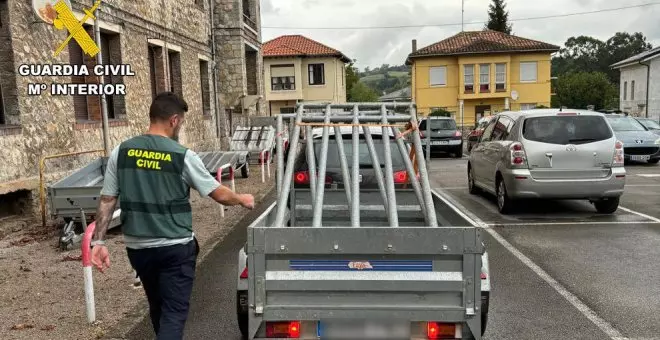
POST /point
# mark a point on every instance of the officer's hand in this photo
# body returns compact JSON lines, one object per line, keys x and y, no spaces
{"x":100,"y":257}
{"x":247,"y":201}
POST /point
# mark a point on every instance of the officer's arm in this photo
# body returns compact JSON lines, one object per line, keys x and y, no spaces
{"x":196,"y":175}
{"x":109,"y":195}
{"x":225,"y":196}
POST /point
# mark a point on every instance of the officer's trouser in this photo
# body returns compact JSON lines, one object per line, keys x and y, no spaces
{"x":167,"y":275}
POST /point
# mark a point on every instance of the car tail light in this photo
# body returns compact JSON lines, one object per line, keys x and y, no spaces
{"x":458,"y":134}
{"x":436,"y":330}
{"x":244,"y":273}
{"x":618,"y":154}
{"x":518,"y":156}
{"x":302,"y":177}
{"x":567,"y":114}
{"x":283,"y":329}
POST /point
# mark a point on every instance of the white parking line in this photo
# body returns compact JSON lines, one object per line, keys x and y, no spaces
{"x":642,"y":185}
{"x":500,"y":224}
{"x":640,"y":214}
{"x":648,"y":175}
{"x":603,"y":325}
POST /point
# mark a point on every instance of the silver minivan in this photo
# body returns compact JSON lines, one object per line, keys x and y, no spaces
{"x":549,"y":154}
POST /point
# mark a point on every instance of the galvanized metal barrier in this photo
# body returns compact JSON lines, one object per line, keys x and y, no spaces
{"x":361,"y":116}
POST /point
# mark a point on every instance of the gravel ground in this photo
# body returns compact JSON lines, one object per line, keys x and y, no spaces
{"x":41,"y":287}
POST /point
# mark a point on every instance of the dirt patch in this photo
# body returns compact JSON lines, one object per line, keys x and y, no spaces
{"x":41,"y":287}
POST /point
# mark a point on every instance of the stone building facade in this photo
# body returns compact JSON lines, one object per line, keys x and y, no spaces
{"x":169,"y":47}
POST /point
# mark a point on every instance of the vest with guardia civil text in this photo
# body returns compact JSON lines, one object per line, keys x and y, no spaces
{"x":154,"y":199}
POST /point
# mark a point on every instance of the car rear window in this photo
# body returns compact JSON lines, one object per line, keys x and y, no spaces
{"x":625,"y":124}
{"x":439,"y":124}
{"x":365,"y":157}
{"x":566,"y":129}
{"x":650,"y":124}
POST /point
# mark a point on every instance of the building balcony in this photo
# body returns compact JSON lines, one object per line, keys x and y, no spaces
{"x":249,"y":22}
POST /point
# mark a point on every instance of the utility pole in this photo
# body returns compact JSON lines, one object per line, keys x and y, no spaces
{"x":104,"y":101}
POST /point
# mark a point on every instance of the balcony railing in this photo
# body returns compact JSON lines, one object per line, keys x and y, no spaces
{"x":249,"y":22}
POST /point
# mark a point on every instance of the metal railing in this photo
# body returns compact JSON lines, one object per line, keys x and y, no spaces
{"x":362,"y":116}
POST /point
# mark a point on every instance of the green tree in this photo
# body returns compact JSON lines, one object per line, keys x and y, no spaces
{"x":362,"y":93}
{"x":440,"y":113}
{"x":588,"y":54}
{"x":580,"y":89}
{"x":498,"y":17}
{"x":352,"y":77}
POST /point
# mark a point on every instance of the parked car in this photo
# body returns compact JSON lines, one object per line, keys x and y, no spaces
{"x":473,"y":137}
{"x":367,"y":178}
{"x":650,"y":124}
{"x":549,"y":154}
{"x":639,"y":144}
{"x":445,"y":135}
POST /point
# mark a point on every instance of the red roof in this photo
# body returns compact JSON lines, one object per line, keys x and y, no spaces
{"x":299,"y":46}
{"x":486,"y":41}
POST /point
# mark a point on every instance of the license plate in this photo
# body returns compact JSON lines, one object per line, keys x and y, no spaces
{"x":363,"y":330}
{"x":640,"y":157}
{"x":440,"y":142}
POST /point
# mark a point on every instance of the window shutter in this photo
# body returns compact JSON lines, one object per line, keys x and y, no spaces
{"x":438,"y":75}
{"x":79,"y":102}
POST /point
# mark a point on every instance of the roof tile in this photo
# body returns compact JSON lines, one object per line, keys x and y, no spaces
{"x":298,"y":45}
{"x":486,"y":41}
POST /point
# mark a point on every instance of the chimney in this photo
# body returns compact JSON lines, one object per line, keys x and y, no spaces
{"x":414,"y":45}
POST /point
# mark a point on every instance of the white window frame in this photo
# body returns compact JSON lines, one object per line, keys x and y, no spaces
{"x":441,"y":72}
{"x":485,"y":76}
{"x":536,"y":71}
{"x":625,"y":90}
{"x":500,"y":76}
{"x":466,"y":75}
{"x":312,"y":76}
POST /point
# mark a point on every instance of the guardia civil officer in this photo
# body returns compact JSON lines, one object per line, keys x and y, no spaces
{"x":153,"y":174}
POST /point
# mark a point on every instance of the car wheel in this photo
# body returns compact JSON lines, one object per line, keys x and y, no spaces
{"x":459,"y":152}
{"x":504,"y":203}
{"x":472,"y":187}
{"x":654,"y":161}
{"x":607,"y":206}
{"x":245,"y":170}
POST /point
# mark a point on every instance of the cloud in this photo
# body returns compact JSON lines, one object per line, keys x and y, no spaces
{"x":374,"y":47}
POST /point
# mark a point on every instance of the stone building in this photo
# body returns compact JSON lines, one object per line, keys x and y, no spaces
{"x":169,"y":46}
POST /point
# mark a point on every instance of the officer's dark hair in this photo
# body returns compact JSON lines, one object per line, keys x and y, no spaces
{"x":165,"y":105}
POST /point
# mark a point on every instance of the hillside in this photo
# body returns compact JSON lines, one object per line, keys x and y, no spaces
{"x":386,"y":79}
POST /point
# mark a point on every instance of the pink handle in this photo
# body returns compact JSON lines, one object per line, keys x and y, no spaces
{"x":86,"y":245}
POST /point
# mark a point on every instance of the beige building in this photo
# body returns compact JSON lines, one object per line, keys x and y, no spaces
{"x":297,"y":69}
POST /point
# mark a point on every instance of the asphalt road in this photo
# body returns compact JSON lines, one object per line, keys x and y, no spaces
{"x":558,"y":269}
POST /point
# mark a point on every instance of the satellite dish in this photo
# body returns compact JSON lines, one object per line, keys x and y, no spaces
{"x":514,"y":95}
{"x":45,"y":9}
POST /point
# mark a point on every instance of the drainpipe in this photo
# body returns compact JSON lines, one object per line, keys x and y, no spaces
{"x":215,"y":68}
{"x":648,"y":83}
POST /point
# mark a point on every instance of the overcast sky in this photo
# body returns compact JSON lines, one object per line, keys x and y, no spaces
{"x":374,"y":47}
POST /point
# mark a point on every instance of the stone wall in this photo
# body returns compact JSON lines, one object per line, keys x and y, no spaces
{"x":46,"y":125}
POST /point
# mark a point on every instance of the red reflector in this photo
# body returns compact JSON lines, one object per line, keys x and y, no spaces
{"x":435,"y":330}
{"x":518,"y":160}
{"x":520,"y":177}
{"x":286,"y":329}
{"x":483,"y":276}
{"x":301,"y":177}
{"x":244,"y":274}
{"x":401,"y":177}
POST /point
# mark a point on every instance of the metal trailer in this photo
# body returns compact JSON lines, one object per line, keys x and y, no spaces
{"x":77,"y":194}
{"x":322,"y":261}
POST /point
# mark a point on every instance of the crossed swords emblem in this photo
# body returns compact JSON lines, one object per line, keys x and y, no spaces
{"x":66,"y":20}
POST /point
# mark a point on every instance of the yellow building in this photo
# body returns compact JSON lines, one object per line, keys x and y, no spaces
{"x":300,"y":69}
{"x":475,"y":74}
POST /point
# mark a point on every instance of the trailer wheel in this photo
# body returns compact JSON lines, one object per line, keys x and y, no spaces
{"x":245,"y":170}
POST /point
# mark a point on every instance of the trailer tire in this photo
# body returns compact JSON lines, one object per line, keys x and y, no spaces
{"x":245,"y":170}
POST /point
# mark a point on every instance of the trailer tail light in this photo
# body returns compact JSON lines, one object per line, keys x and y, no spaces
{"x":302,"y":177}
{"x":436,"y":330}
{"x":283,"y":329}
{"x":618,"y":154}
{"x":401,"y":177}
{"x":518,"y":156}
{"x":244,"y":273}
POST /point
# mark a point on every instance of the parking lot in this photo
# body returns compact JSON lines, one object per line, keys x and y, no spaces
{"x":559,"y":270}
